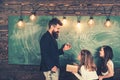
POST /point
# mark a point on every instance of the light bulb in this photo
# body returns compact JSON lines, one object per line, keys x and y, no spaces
{"x":33,"y":17}
{"x":21,"y":24}
{"x":78,"y":24}
{"x":91,"y":21}
{"x":64,"y":20}
{"x":108,"y":23}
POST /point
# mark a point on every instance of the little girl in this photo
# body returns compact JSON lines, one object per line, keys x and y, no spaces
{"x":87,"y":68}
{"x":107,"y":66}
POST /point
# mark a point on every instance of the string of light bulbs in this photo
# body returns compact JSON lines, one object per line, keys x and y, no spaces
{"x":33,"y":17}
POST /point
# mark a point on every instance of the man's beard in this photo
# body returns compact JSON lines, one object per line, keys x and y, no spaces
{"x":55,"y":34}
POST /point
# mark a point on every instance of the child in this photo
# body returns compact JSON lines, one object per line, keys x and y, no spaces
{"x":107,"y":66}
{"x":87,"y":67}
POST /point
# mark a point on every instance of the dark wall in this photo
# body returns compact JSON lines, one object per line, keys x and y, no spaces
{"x":26,"y":72}
{"x":14,"y":72}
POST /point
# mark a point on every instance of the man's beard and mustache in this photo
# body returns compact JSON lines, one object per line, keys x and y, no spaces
{"x":55,"y":34}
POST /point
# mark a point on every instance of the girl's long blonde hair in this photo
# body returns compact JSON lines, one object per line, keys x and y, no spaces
{"x":87,"y":60}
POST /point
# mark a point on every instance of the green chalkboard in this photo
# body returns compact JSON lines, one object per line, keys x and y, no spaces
{"x":23,"y":45}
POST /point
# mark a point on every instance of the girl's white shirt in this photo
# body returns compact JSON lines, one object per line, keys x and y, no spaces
{"x":86,"y":74}
{"x":110,"y":62}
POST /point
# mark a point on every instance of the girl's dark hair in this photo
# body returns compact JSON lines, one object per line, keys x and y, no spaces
{"x":87,"y":60}
{"x":54,"y":21}
{"x":108,"y":54}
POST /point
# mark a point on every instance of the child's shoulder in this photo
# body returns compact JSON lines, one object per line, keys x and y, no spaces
{"x":110,"y":62}
{"x":83,"y":68}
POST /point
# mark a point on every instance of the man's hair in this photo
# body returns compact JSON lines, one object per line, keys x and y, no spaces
{"x":54,"y":21}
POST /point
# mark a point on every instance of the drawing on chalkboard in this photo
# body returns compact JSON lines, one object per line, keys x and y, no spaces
{"x":23,"y":44}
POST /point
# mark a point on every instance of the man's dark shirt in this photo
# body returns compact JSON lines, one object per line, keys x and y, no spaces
{"x":49,"y":52}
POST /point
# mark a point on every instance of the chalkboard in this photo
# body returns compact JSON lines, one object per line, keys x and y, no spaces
{"x":23,"y":44}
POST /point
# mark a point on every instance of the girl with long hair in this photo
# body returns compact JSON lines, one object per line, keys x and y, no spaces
{"x":107,"y":66}
{"x":87,"y":67}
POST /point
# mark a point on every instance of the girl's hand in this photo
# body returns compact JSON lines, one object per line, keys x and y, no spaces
{"x":100,"y":77}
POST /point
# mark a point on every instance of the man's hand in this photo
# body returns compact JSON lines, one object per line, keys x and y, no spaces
{"x":54,"y":69}
{"x":67,"y":46}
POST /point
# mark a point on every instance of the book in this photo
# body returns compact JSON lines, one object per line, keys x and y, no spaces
{"x":72,"y":68}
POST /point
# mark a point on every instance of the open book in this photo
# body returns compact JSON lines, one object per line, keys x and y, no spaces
{"x":72,"y":68}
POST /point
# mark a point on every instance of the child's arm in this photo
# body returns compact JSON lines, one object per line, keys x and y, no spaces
{"x":78,"y":76}
{"x":110,"y":72}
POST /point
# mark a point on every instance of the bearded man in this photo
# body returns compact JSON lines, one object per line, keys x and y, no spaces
{"x":50,"y":52}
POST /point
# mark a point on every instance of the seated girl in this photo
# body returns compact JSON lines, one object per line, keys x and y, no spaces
{"x":87,"y":68}
{"x":107,"y":66}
